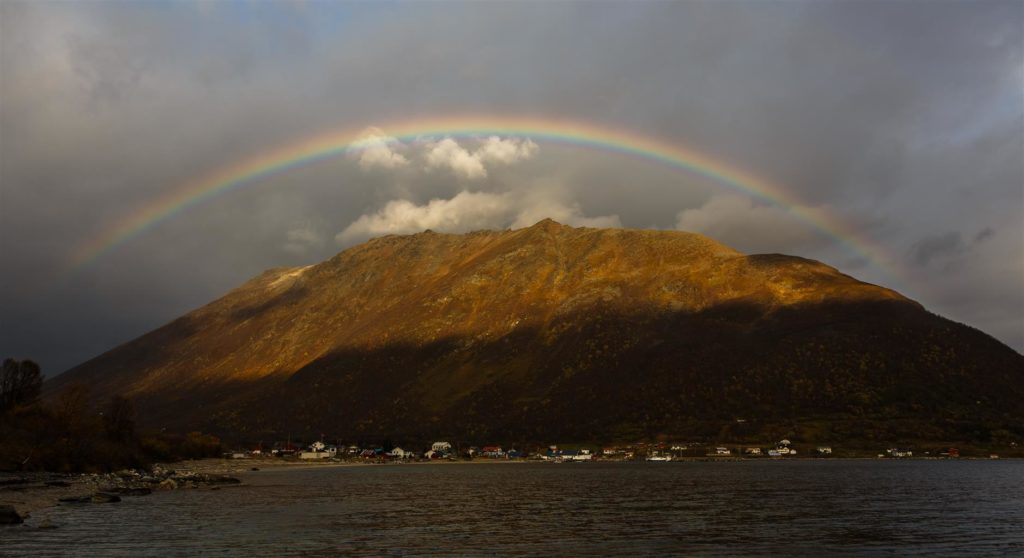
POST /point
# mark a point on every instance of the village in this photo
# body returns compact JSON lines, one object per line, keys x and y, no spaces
{"x":639,"y":451}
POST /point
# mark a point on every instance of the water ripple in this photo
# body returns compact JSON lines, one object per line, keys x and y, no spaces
{"x":755,"y":508}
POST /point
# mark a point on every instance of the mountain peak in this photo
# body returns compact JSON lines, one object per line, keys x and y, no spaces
{"x":548,"y":224}
{"x":550,"y":331}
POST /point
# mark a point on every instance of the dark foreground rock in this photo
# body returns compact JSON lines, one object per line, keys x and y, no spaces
{"x":9,"y":516}
{"x":105,"y":498}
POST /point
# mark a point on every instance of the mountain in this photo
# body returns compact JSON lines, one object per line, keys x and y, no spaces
{"x":555,"y":333}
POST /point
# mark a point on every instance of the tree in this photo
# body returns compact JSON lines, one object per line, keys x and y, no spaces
{"x":119,"y":419}
{"x":21,"y":382}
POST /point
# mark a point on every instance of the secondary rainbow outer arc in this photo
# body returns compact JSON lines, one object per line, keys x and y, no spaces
{"x":333,"y":144}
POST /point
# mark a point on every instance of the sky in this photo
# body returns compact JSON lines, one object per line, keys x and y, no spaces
{"x":903,"y":120}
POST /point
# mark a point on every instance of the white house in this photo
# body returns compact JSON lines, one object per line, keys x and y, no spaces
{"x":317,"y":450}
{"x":441,"y":447}
{"x":581,"y":455}
{"x":399,"y":453}
{"x":784,"y":449}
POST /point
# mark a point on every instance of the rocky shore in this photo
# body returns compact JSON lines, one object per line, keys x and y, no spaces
{"x":23,"y":493}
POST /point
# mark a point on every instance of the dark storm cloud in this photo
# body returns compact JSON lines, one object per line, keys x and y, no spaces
{"x":905,"y":118}
{"x":938,"y":246}
{"x":984,"y":234}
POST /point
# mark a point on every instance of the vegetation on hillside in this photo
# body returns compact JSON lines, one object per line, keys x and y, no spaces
{"x":71,"y":434}
{"x":558,"y":333}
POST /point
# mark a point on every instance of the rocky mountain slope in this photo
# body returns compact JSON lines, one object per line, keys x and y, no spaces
{"x":560,"y":333}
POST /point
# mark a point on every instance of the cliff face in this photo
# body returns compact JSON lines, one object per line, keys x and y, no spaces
{"x":557,"y":332}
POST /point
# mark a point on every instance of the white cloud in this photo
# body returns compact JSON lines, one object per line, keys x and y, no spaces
{"x":544,"y":204}
{"x":447,"y":153}
{"x":506,"y":151}
{"x":465,"y":211}
{"x":739,"y":223}
{"x":374,"y":148}
{"x":468,"y":211}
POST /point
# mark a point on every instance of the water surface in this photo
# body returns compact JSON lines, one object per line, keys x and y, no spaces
{"x":749,"y":508}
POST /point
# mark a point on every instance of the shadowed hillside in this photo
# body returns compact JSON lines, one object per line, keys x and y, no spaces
{"x":554,"y":332}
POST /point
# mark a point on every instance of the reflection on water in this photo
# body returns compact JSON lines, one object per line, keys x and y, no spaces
{"x":809,"y":508}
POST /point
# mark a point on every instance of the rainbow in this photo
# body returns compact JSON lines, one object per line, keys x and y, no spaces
{"x":576,"y":133}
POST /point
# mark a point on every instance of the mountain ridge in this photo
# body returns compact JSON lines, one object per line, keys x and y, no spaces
{"x":477,"y":334}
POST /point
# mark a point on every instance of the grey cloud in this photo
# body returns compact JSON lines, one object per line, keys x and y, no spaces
{"x":938,"y":246}
{"x":737,"y":221}
{"x":896,"y":116}
{"x":984,"y":234}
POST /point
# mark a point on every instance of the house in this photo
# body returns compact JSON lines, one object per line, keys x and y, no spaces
{"x":722,"y":451}
{"x":774,"y":453}
{"x":492,"y":451}
{"x":317,"y":450}
{"x":824,"y":450}
{"x":367,"y":454}
{"x":752,"y":451}
{"x":441,"y":447}
{"x":399,"y":453}
{"x":584,"y":455}
{"x":899,"y":453}
{"x":617,"y":452}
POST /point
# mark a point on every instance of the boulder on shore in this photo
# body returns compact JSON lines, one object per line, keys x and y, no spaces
{"x":9,"y":516}
{"x":167,"y":484}
{"x":105,"y":498}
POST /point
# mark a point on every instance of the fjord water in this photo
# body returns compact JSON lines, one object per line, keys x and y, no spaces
{"x":808,"y":508}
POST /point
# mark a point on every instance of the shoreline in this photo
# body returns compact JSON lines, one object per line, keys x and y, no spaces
{"x":30,"y":493}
